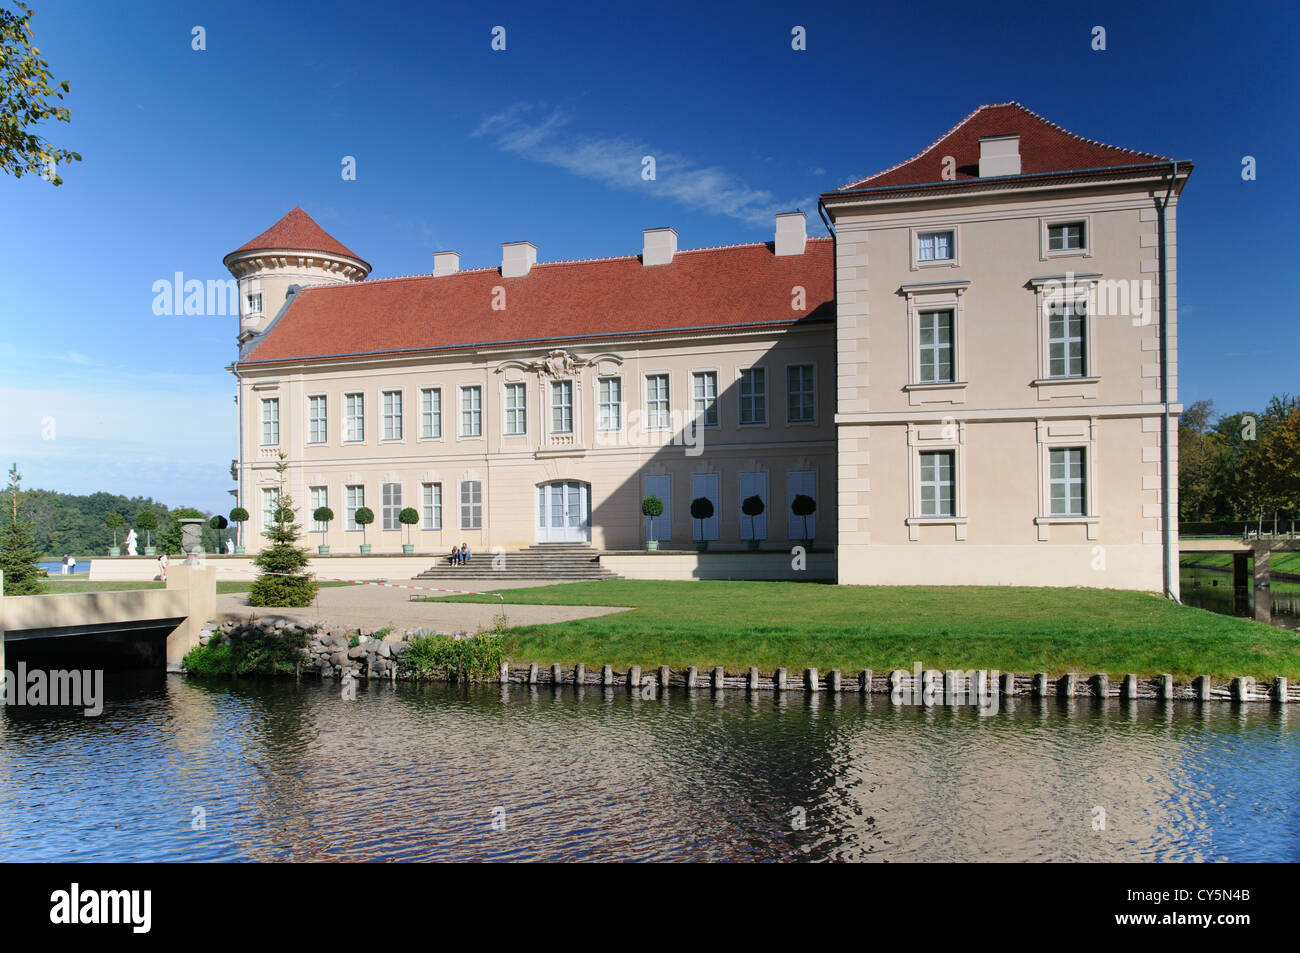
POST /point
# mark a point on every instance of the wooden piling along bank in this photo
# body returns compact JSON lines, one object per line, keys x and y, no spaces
{"x":942,"y":688}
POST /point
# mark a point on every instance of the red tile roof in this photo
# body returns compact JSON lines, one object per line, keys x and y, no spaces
{"x":297,"y":231}
{"x":1044,"y":147}
{"x":708,"y":288}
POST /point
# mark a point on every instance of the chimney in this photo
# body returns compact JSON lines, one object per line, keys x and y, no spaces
{"x":791,"y":233}
{"x":660,"y":246}
{"x":446,"y":263}
{"x":517,"y":258}
{"x":999,"y":155}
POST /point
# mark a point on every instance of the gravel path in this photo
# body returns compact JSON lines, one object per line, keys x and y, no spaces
{"x":372,"y":607}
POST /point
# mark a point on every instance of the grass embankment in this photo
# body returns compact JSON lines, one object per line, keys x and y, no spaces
{"x":798,"y":625}
{"x":1277,"y":562}
{"x":57,"y":585}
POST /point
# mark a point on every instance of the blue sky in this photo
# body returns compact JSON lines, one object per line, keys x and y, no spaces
{"x":189,"y":154}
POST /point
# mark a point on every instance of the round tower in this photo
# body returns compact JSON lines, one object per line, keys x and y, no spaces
{"x":293,"y":251}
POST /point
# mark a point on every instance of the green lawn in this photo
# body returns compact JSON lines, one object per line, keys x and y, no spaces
{"x":796,"y":625}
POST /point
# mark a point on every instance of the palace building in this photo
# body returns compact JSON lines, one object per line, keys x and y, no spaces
{"x":973,"y":378}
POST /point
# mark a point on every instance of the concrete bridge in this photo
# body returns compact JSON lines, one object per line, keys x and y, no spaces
{"x":1250,"y":565}
{"x":95,"y":618}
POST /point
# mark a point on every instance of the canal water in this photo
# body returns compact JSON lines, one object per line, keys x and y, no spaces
{"x":179,"y":769}
{"x":1211,"y":589}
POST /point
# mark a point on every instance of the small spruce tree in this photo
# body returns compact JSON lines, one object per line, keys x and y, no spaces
{"x":284,"y":580}
{"x":22,"y":577}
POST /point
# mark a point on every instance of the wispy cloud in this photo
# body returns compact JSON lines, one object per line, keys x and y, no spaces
{"x":541,"y":135}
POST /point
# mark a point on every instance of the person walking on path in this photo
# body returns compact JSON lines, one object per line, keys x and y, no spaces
{"x":162,"y":567}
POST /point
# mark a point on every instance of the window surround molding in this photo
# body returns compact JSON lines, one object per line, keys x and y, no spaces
{"x":914,"y":238}
{"x":947,"y":435}
{"x":1067,"y":288}
{"x":419,"y":415}
{"x":460,"y":411}
{"x":1045,"y":223}
{"x":816,"y":387}
{"x":717,"y":397}
{"x":506,"y":432}
{"x":645,"y":400}
{"x":936,"y":296}
{"x":401,"y":416}
{"x":1060,"y":435}
{"x":621,"y":403}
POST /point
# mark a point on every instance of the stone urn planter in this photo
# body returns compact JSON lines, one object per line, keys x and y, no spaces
{"x":751,"y":544}
{"x":807,"y":544}
{"x":365,"y":549}
{"x":408,"y":548}
{"x":323,"y":550}
{"x":701,"y":545}
{"x":651,"y":545}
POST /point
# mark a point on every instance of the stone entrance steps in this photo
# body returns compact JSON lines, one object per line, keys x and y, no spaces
{"x":561,"y":562}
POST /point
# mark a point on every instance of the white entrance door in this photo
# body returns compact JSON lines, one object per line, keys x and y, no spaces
{"x":564,"y":513}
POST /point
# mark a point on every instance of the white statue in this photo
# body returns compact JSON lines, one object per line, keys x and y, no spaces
{"x":130,"y":543}
{"x":230,"y":546}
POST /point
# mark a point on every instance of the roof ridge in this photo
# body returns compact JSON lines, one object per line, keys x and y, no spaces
{"x":540,"y":264}
{"x":898,"y":165}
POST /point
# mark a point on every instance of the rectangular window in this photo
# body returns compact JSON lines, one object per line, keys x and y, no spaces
{"x":270,"y":421}
{"x":432,"y":506}
{"x":268,"y":507}
{"x":1067,"y":482}
{"x":516,"y":406}
{"x":934,"y":246}
{"x":562,"y":407}
{"x":317,"y":420}
{"x":799,"y":394}
{"x":936,"y":347}
{"x":392,"y":414}
{"x":610,"y":411}
{"x":255,"y":303}
{"x":431,"y":412}
{"x":471,"y":412}
{"x":1066,"y":236}
{"x":753,"y":396}
{"x":392,"y":504}
{"x":656,"y":402}
{"x":1065,"y":339}
{"x":704,"y":397}
{"x":471,"y":505}
{"x":319,"y":498}
{"x":937,"y":484}
{"x":354,"y":417}
{"x":356,"y":498}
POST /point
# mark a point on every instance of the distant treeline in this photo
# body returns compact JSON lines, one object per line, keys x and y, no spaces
{"x":1242,"y":467}
{"x":63,"y":524}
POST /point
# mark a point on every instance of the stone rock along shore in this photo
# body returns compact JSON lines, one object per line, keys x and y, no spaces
{"x":329,"y":652}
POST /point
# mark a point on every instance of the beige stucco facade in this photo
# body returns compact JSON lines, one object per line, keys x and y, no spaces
{"x":612,"y":468}
{"x":1003,"y":411}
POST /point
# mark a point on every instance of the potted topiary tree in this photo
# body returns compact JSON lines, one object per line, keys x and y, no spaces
{"x":701,"y":510}
{"x":363,"y":518}
{"x":408,"y":517}
{"x":753,"y":508}
{"x":804,"y":506}
{"x":114,"y":522}
{"x":239,"y":516}
{"x":218,"y":523}
{"x":651,"y":508}
{"x":147,"y":520}
{"x":323,"y":515}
